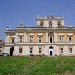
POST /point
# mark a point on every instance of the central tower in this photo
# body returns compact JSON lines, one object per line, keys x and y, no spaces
{"x":50,"y":21}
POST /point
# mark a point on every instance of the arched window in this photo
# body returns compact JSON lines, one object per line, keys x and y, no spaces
{"x":50,"y":24}
{"x":59,"y":23}
{"x":41,"y":23}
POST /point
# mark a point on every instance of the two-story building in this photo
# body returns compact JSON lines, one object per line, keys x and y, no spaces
{"x":49,"y":37}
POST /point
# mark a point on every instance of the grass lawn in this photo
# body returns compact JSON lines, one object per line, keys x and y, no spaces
{"x":37,"y":65}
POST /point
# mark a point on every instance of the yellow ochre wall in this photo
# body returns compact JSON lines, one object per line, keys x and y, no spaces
{"x":65,"y":37}
{"x":35,"y":37}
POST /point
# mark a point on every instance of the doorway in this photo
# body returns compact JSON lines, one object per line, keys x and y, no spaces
{"x":50,"y":50}
{"x":11,"y":51}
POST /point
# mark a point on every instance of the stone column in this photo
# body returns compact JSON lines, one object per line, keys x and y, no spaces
{"x":16,"y":50}
{"x":46,"y":36}
{"x":25,"y":37}
{"x":65,"y":50}
{"x":16,"y":37}
{"x":46,"y":24}
{"x":55,"y":37}
{"x":7,"y":38}
{"x":7,"y":48}
{"x":74,"y":50}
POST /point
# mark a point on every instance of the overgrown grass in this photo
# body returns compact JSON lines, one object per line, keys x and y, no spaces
{"x":37,"y":65}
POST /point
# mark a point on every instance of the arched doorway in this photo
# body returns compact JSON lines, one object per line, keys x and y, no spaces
{"x":11,"y":51}
{"x":51,"y":50}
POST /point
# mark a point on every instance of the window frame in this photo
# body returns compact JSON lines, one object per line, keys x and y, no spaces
{"x":51,"y":37}
{"x":21,"y":38}
{"x":50,"y":23}
{"x":41,"y":23}
{"x":70,"y":51}
{"x":69,"y":39}
{"x":61,"y":51}
{"x":39,"y":39}
{"x":20,"y":50}
{"x":40,"y":50}
{"x":31,"y":50}
{"x":1,"y":47}
{"x":30,"y":38}
{"x":0,"y":51}
{"x":59,"y":23}
{"x":61,"y":39}
{"x":12,"y":40}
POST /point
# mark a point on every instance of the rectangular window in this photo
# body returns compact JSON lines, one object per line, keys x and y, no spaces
{"x":70,"y":50}
{"x":39,"y":50}
{"x":12,"y":40}
{"x":61,"y":50}
{"x":61,"y":39}
{"x":0,"y":46}
{"x":70,"y":39}
{"x":40,"y":39}
{"x":0,"y":51}
{"x":50,"y":25}
{"x":20,"y":39}
{"x":20,"y":50}
{"x":30,"y":50}
{"x":31,"y":39}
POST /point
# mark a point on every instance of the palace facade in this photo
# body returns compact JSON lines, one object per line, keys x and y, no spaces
{"x":49,"y":37}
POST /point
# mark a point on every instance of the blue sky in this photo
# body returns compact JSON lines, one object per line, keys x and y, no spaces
{"x":13,"y":12}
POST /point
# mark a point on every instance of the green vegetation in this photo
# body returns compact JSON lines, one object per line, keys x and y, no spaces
{"x":36,"y":65}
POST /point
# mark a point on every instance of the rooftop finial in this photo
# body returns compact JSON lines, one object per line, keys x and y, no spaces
{"x":50,"y":14}
{"x":38,"y":16}
{"x":21,"y":25}
{"x":7,"y":28}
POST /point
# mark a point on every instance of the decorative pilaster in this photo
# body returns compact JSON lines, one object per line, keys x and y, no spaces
{"x":16,"y":37}
{"x":46,"y":36}
{"x":55,"y":37}
{"x":7,"y":38}
{"x":25,"y":37}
